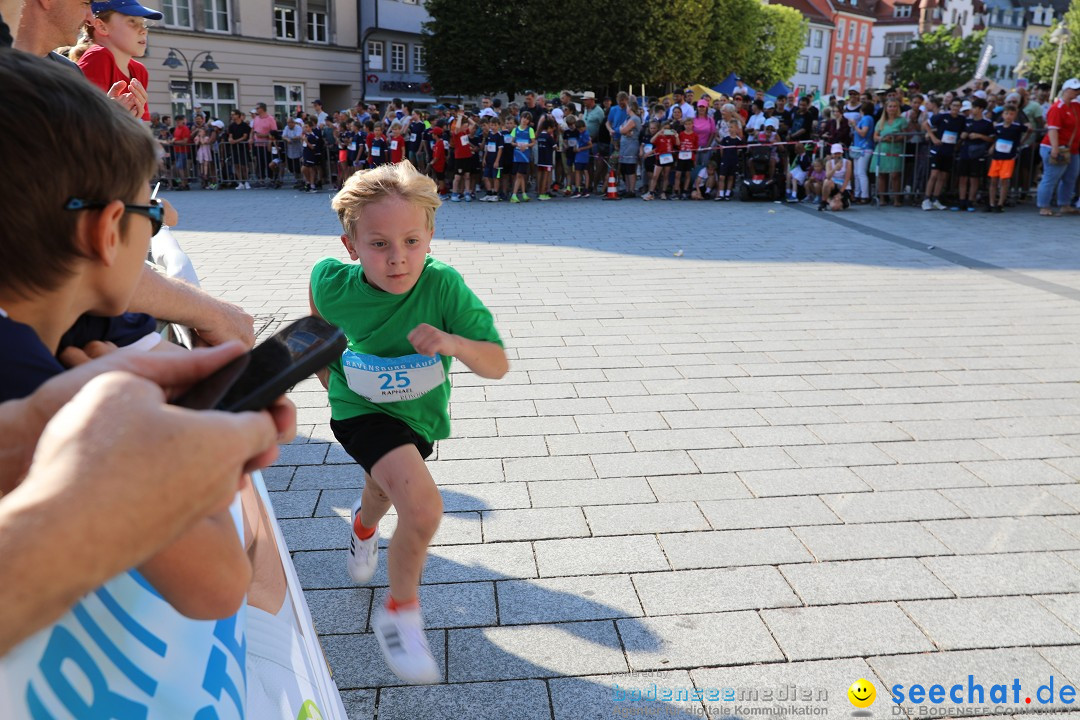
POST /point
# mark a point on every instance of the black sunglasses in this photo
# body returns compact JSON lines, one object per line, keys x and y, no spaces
{"x":155,"y":211}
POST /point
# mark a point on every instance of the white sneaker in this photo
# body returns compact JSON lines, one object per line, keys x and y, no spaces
{"x":939,"y":206}
{"x":363,"y":558}
{"x":247,"y":186}
{"x":404,"y":645}
{"x":927,"y":205}
{"x":239,"y":186}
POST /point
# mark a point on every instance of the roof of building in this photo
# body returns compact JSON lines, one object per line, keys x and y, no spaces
{"x":808,"y":10}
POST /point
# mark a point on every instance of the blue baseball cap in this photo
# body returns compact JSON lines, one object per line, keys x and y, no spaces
{"x":126,"y":7}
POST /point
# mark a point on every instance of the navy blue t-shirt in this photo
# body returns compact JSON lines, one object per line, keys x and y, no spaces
{"x":25,"y":362}
{"x":974,"y":149}
{"x":415,"y":136}
{"x":1007,"y":140}
{"x":945,"y":123}
{"x":121,"y":330}
{"x":545,"y":149}
{"x":492,"y":143}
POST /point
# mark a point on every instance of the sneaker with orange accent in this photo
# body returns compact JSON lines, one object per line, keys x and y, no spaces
{"x":363,"y":558}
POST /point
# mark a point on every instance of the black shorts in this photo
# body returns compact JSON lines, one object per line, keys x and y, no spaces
{"x":649,"y":164}
{"x":942,"y":163}
{"x":367,"y":438}
{"x":971,"y":167}
{"x":464,"y":166}
{"x":727,"y":168}
{"x":684,"y":166}
{"x":628,"y":168}
{"x":521,"y":168}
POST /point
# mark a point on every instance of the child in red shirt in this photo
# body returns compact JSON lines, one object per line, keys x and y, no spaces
{"x":461,"y":128}
{"x":438,"y":158}
{"x":119,"y":36}
{"x":684,"y":166}
{"x":664,"y":148}
{"x":397,"y":143}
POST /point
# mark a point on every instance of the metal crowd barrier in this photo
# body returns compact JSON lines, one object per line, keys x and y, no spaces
{"x":265,"y":166}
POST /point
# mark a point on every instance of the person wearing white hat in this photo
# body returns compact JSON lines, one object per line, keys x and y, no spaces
{"x":1060,"y":151}
{"x":839,"y":174}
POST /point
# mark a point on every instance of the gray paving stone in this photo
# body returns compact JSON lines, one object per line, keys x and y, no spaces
{"x":661,"y":462}
{"x":682,"y":439}
{"x":475,"y":448}
{"x":534,"y":524}
{"x":464,"y":563}
{"x":1006,"y":574}
{"x":767,"y":512}
{"x":534,"y":651}
{"x":674,"y":488}
{"x":931,"y":451}
{"x":952,"y":668}
{"x":855,"y":581}
{"x":338,"y":612}
{"x":802,"y":481}
{"x":858,"y":432}
{"x":479,"y":427}
{"x":783,"y":435}
{"x":278,"y":478}
{"x":731,"y":548}
{"x":867,"y":541}
{"x":947,"y":429}
{"x":1066,"y":607}
{"x":712,"y":418}
{"x":1066,"y":660}
{"x":324,"y":569}
{"x":567,"y":598}
{"x":992,"y":535}
{"x":576,"y":406}
{"x":644,"y":518}
{"x":549,"y":468}
{"x":296,"y":504}
{"x":476,"y":701}
{"x":719,"y":590}
{"x":357,"y":662}
{"x":594,"y":697}
{"x":461,"y":472}
{"x":599,"y":556}
{"x":694,"y":640}
{"x":315,"y":533}
{"x":1069,"y":466}
{"x":484,"y":496}
{"x":1069,"y":493}
{"x":749,"y":682}
{"x":589,"y":444}
{"x":322,"y":477}
{"x":611,"y":491}
{"x":740,"y":459}
{"x":892,"y":506}
{"x":811,"y":633}
{"x":536,"y":426}
{"x":620,"y":422}
{"x":839,"y":455}
{"x":453,"y":605}
{"x":1007,"y":501}
{"x":1030,"y":448}
{"x":990,"y":622}
{"x":918,"y":477}
{"x":307,"y":454}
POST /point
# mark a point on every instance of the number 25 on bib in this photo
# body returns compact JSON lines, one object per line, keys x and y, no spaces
{"x":386,"y":380}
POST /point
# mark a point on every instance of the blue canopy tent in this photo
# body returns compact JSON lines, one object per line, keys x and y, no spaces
{"x":777,"y":90}
{"x":728,"y":85}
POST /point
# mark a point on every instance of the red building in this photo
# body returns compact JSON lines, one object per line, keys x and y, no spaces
{"x":849,"y":57}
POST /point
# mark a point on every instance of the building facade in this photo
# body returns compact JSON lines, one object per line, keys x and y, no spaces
{"x":896,"y":26}
{"x":1005,"y":23}
{"x":811,"y":69}
{"x":287,"y":53}
{"x":849,"y":56}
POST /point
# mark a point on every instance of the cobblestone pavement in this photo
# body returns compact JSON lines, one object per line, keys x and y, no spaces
{"x":808,"y":449}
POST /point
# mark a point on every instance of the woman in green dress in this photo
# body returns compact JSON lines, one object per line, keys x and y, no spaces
{"x":887,"y":161}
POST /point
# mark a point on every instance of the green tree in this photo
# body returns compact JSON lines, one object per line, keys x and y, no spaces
{"x":1042,"y":58}
{"x":940,"y":60}
{"x":780,"y":38}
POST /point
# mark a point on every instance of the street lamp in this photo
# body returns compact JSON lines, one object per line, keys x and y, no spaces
{"x":1059,"y":37}
{"x":172,"y":62}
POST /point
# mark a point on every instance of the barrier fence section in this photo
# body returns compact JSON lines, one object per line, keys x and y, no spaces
{"x":278,"y":163}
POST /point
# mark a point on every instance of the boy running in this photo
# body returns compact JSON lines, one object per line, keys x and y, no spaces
{"x":406,"y":315}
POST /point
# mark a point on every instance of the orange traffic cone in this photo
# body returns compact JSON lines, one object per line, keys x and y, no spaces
{"x":612,"y":194}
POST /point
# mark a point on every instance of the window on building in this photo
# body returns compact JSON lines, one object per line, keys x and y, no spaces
{"x":397,"y":57}
{"x":847,"y":66}
{"x":1034,"y":41}
{"x":318,"y":26}
{"x":859,"y":67}
{"x":897,"y":43}
{"x":964,"y":20}
{"x":287,"y":97}
{"x":953,"y":21}
{"x":411,"y":2}
{"x":285,"y":21}
{"x":902,"y":11}
{"x":375,"y":55}
{"x":177,"y":13}
{"x":216,"y":15}
{"x":818,"y":37}
{"x":419,"y":59}
{"x":851,"y":32}
{"x":811,"y":90}
{"x":217,"y":97}
{"x":836,"y":64}
{"x":862,"y":33}
{"x":815,"y":65}
{"x":804,"y":64}
{"x":840,"y":30}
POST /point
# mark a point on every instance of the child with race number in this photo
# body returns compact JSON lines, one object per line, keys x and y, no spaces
{"x":406,"y":316}
{"x":1008,"y":137}
{"x":664,"y":145}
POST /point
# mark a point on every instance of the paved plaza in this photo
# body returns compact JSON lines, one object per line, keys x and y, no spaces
{"x":740,"y":445}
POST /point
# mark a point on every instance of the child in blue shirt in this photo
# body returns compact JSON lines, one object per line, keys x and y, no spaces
{"x":581,"y":160}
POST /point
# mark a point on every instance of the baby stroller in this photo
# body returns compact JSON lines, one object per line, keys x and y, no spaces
{"x":757,"y":182}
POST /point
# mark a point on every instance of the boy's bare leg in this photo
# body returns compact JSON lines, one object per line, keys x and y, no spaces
{"x":404,"y":478}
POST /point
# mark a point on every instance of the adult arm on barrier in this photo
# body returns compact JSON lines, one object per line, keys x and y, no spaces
{"x":215,"y":321}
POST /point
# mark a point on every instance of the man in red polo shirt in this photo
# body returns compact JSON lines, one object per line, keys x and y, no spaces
{"x":1062,"y":138}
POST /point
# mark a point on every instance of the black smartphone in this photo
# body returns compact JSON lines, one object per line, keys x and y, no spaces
{"x":256,"y":379}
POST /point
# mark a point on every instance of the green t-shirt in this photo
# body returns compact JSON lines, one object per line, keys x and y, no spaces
{"x":380,"y":361}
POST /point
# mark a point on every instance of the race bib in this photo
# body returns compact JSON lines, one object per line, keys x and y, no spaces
{"x":412,"y":137}
{"x":666,"y":158}
{"x":273,"y":150}
{"x":685,"y":155}
{"x":949,"y":137}
{"x":464,"y":141}
{"x":1003,"y":146}
{"x":393,"y":144}
{"x":446,"y":144}
{"x":490,"y":147}
{"x":386,"y":380}
{"x":352,"y":147}
{"x":648,"y":148}
{"x":376,"y":151}
{"x":572,"y":142}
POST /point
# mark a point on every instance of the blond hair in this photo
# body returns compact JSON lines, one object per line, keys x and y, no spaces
{"x":370,"y":186}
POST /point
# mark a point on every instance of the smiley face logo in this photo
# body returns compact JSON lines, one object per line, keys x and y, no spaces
{"x":862,"y":693}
